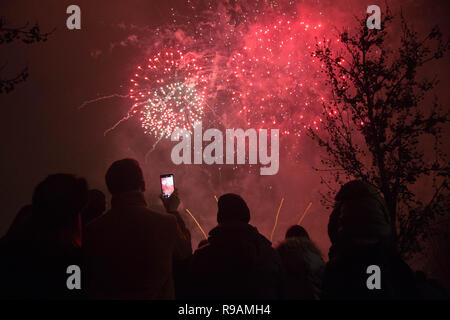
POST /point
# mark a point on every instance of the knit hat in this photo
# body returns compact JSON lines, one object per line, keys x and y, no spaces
{"x":232,"y":208}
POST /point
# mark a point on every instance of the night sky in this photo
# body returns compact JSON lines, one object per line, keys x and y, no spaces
{"x":43,"y":131}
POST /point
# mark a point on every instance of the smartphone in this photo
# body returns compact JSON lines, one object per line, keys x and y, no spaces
{"x":167,"y":185}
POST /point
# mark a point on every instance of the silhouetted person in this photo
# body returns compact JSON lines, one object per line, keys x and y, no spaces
{"x":95,"y":206}
{"x":361,"y":235}
{"x":130,"y":250}
{"x":429,"y":288}
{"x":20,"y":228}
{"x":238,"y":262}
{"x":303,"y":265}
{"x":51,"y":244}
{"x":296,"y":231}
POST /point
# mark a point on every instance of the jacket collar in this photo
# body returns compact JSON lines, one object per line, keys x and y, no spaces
{"x":236,"y":231}
{"x":132,"y":198}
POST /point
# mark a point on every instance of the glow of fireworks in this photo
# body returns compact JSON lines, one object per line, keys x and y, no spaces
{"x":276,"y":77}
{"x":246,"y":63}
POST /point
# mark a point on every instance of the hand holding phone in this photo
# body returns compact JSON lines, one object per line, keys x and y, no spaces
{"x":169,"y":194}
{"x":167,"y":185}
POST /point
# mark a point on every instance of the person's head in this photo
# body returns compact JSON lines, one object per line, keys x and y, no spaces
{"x":296,"y":231}
{"x":360,"y":214}
{"x":232,"y":208}
{"x":124,"y":176}
{"x":56,"y":204}
{"x":95,"y":206}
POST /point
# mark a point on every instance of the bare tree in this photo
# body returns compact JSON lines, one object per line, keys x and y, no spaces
{"x":380,"y":126}
{"x":27,"y":35}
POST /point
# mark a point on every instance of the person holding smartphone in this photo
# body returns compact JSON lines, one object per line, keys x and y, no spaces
{"x":130,"y":250}
{"x":171,"y":202}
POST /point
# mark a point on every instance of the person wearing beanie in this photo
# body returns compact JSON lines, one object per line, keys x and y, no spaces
{"x":232,"y":208}
{"x":237,"y":262}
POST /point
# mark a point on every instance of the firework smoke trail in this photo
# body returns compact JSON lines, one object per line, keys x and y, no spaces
{"x":304,"y":213}
{"x":198,"y":224}
{"x":276,"y":220}
{"x":152,"y":148}
{"x":116,"y":125}
{"x":115,"y":95}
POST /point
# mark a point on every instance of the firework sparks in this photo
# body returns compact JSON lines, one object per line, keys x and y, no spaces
{"x":276,"y":79}
{"x":168,"y":93}
{"x":236,"y":64}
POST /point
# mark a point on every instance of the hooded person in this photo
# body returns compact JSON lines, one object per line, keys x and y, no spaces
{"x":361,"y":236}
{"x":237,"y":262}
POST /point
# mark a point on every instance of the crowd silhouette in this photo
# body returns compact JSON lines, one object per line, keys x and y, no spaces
{"x":131,"y":252}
